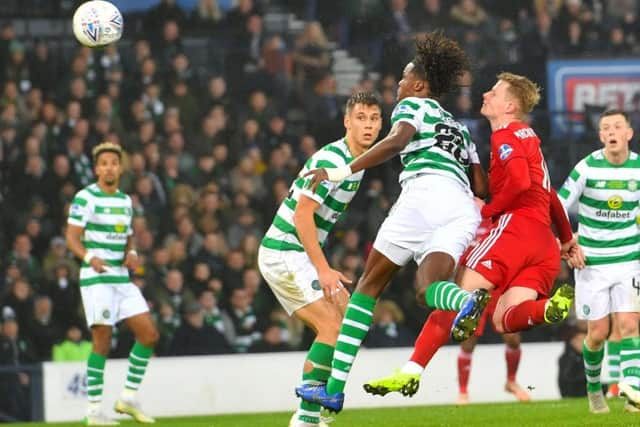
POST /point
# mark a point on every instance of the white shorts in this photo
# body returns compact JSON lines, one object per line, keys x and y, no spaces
{"x":605,"y":289}
{"x":108,"y":304}
{"x":432,"y":214}
{"x":291,"y":277}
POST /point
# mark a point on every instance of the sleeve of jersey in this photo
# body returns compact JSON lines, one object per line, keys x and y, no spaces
{"x":573,"y":187}
{"x":79,"y":210}
{"x":516,"y":177}
{"x":560,"y":219}
{"x":325,"y":187}
{"x":407,"y":111}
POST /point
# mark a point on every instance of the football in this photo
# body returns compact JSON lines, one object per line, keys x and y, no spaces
{"x":97,"y":23}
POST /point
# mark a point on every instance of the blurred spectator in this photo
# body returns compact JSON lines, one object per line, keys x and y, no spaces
{"x":214,"y":316}
{"x":388,"y":329}
{"x":571,"y":376}
{"x":468,"y":13}
{"x":271,"y":341}
{"x":311,"y":58}
{"x":42,"y":328}
{"x":167,"y":321}
{"x":166,"y":10}
{"x":244,"y":320}
{"x":195,"y":337}
{"x":73,"y":348}
{"x":429,"y":15}
{"x":58,"y":256}
{"x":14,"y":351}
{"x":22,"y":257}
{"x":64,"y":292}
{"x":207,"y":15}
{"x":237,"y":17}
{"x":173,"y":293}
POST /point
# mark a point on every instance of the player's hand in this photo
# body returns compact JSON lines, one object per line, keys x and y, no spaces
{"x":331,"y":282}
{"x":317,"y":176}
{"x":576,"y":258}
{"x":132,"y":261}
{"x":98,"y":264}
{"x":573,"y":254}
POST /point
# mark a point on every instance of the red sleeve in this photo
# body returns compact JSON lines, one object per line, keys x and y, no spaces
{"x":516,"y":180}
{"x":559,"y":218}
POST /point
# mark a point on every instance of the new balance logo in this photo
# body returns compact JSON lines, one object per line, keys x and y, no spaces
{"x":486,"y":263}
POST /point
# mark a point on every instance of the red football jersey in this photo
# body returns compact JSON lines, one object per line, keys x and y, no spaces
{"x":519,"y":140}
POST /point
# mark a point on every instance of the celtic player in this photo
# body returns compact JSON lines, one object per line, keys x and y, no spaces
{"x":99,"y":232}
{"x":605,"y":186}
{"x":291,"y":258}
{"x":435,"y":217}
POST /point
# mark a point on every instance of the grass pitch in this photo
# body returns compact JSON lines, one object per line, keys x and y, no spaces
{"x":570,"y":412}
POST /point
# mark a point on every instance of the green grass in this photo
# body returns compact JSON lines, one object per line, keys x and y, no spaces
{"x":571,"y":412}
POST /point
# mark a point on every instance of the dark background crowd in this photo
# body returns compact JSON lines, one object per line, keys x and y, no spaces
{"x":217,"y":111}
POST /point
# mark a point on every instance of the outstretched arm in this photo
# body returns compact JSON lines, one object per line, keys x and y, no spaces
{"x":398,"y":138}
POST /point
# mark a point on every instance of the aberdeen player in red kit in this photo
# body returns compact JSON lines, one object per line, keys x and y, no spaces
{"x":520,"y":256}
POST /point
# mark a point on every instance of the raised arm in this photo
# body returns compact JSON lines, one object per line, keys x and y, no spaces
{"x":398,"y":138}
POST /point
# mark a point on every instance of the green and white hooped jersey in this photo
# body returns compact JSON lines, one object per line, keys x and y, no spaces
{"x":106,"y":220}
{"x":439,"y":145}
{"x":607,"y":197}
{"x":334,"y":198}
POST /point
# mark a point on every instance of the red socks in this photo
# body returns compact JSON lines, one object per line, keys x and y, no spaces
{"x":524,"y":316}
{"x":464,"y":369}
{"x":512,"y":355}
{"x":435,"y":333}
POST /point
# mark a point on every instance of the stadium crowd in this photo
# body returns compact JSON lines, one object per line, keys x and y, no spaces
{"x":211,"y":153}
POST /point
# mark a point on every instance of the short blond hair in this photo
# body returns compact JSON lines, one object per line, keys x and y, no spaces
{"x":106,"y":147}
{"x":524,"y":90}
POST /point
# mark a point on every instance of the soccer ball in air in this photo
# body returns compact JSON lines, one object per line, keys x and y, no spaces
{"x":97,"y":23}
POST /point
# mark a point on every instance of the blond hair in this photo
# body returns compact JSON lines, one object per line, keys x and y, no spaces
{"x":524,"y":90}
{"x":106,"y":147}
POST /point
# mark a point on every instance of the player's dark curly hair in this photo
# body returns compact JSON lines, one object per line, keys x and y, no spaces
{"x":440,"y":62}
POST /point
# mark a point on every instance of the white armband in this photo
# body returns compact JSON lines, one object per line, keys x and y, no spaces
{"x":133,"y":252}
{"x":88,"y":257}
{"x":338,"y":174}
{"x":473,"y":154}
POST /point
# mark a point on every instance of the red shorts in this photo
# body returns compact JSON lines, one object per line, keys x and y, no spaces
{"x":518,"y":251}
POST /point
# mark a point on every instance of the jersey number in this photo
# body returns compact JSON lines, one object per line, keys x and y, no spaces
{"x":451,"y":140}
{"x":546,"y":181}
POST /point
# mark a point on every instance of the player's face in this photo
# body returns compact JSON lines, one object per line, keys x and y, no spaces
{"x":363,"y":124}
{"x":496,"y":100}
{"x":615,"y":133}
{"x":108,"y":169}
{"x":405,"y":85}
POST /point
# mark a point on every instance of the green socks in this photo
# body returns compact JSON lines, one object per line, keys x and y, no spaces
{"x":446,"y":296}
{"x":320,"y":356}
{"x":355,"y":326}
{"x":592,"y":364}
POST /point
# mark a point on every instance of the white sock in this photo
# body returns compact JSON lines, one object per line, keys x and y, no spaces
{"x":128,"y":394}
{"x":411,"y":368}
{"x":94,"y":408}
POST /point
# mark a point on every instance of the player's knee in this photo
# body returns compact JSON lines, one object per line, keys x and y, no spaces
{"x":628,"y":328}
{"x":498,"y":326}
{"x":150,"y":338}
{"x":595,"y":338}
{"x":421,"y":296}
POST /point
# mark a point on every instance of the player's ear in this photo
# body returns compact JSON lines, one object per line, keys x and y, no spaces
{"x":346,"y":121}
